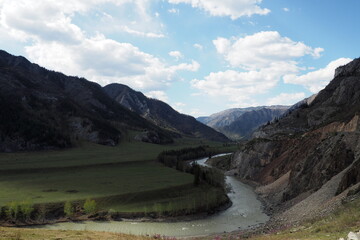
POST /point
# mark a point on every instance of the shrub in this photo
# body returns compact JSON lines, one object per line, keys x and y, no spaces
{"x":68,"y":209}
{"x":89,"y":206}
{"x":12,"y":210}
{"x":26,"y":208}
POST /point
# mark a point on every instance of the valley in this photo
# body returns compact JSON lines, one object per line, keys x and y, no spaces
{"x":79,"y":157}
{"x":120,"y":179}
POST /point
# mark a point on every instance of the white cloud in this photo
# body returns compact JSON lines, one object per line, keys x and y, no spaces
{"x":176,"y":54}
{"x":52,"y":20}
{"x":237,"y":87}
{"x":141,"y":34}
{"x":106,"y":61}
{"x":198,"y":46}
{"x":160,"y":95}
{"x":286,"y":9}
{"x":317,"y":80}
{"x":232,"y":8}
{"x":178,"y":106}
{"x":262,"y":50}
{"x":286,"y":99}
{"x":174,"y":10}
{"x":57,"y":43}
{"x":264,"y":57}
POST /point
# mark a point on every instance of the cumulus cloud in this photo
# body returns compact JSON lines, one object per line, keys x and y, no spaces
{"x":262,"y":50}
{"x":176,"y":54}
{"x":178,"y":106}
{"x":231,"y":8}
{"x":286,"y":99}
{"x":262,"y":60}
{"x":316,"y":80}
{"x":106,"y":61}
{"x":58,"y":44}
{"x":160,"y":95}
{"x":238,"y":87}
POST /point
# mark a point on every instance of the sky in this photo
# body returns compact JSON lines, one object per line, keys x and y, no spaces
{"x":199,"y":56}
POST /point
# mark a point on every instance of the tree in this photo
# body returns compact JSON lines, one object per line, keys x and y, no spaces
{"x":197,"y":172}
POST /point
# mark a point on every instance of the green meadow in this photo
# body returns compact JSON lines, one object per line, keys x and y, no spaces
{"x":125,"y":178}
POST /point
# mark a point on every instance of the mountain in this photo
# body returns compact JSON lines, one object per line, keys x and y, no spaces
{"x":161,"y":113}
{"x":239,"y":123}
{"x":307,"y":162}
{"x":42,"y":109}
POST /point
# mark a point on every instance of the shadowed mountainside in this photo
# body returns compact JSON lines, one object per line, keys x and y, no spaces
{"x":161,"y":113}
{"x":42,"y":109}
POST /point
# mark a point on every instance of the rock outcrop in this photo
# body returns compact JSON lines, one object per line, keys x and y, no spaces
{"x":310,"y":147}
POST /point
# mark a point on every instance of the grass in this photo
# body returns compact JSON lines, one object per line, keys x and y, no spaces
{"x":35,"y":234}
{"x":333,"y":227}
{"x":93,"y":154}
{"x":98,"y":172}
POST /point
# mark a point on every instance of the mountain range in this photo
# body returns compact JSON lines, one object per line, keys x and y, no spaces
{"x":42,"y":109}
{"x":237,"y":123}
{"x":160,"y":113}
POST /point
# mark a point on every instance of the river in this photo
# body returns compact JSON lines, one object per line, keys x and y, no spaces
{"x":246,"y":211}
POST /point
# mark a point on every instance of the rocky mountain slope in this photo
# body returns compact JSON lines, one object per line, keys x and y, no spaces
{"x":42,"y":109}
{"x":308,"y":160}
{"x":239,"y":123}
{"x":161,"y":113}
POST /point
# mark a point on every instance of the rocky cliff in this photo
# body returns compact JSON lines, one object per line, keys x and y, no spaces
{"x":311,"y":155}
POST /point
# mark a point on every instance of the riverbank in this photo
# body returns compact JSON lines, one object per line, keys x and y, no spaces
{"x":335,"y":226}
{"x":202,"y":208}
{"x":246,"y":212}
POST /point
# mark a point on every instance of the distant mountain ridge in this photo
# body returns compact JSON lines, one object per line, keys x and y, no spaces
{"x":161,"y":113}
{"x":239,"y":123}
{"x":42,"y":109}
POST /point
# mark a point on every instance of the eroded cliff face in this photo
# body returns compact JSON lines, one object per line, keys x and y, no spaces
{"x":297,"y":155}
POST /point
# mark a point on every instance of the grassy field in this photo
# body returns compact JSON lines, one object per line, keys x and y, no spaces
{"x":127,"y":173}
{"x":332,"y":227}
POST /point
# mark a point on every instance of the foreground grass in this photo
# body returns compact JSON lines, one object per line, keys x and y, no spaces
{"x":35,"y":234}
{"x":337,"y":225}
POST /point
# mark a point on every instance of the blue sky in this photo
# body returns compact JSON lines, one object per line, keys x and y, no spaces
{"x":200,"y":56}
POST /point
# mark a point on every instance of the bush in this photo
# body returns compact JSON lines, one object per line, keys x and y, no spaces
{"x":26,"y":208}
{"x":89,"y":206}
{"x":68,"y":209}
{"x":12,"y":210}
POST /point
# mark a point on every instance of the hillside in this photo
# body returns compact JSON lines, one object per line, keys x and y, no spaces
{"x":308,"y":161}
{"x":42,"y":109}
{"x":161,"y":113}
{"x":239,"y":123}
